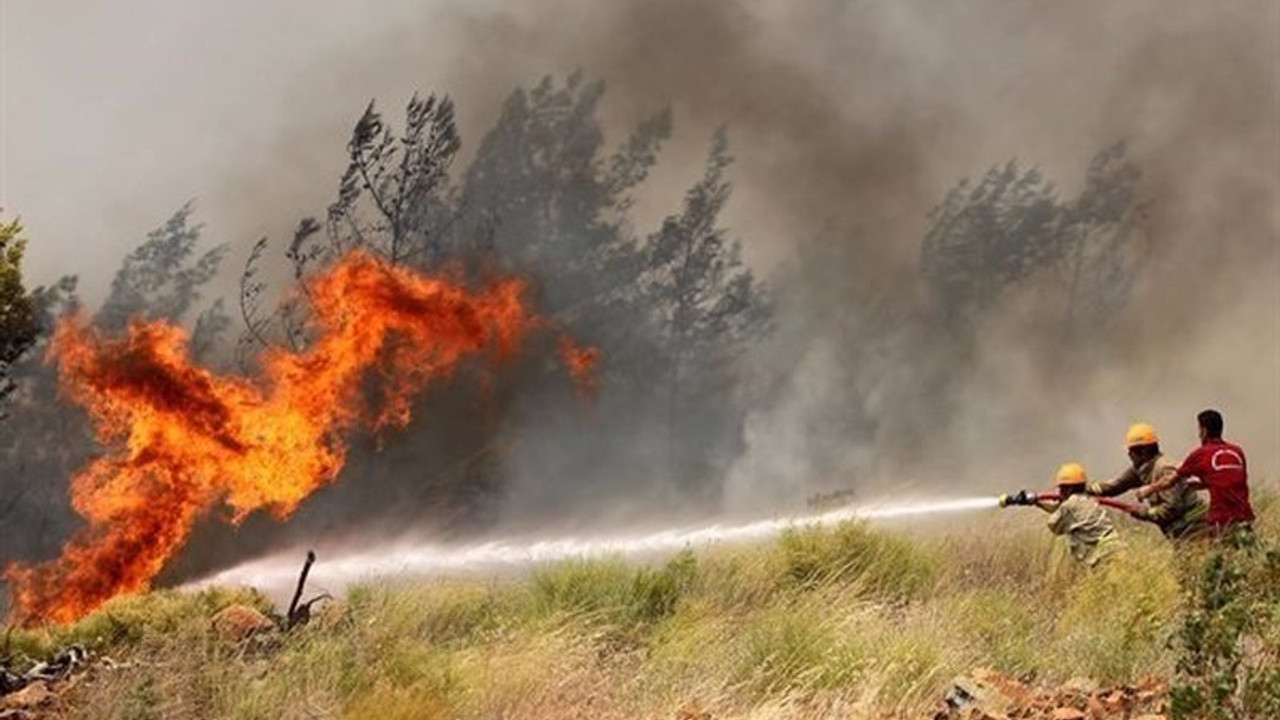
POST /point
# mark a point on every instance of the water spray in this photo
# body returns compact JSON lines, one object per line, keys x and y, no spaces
{"x":275,"y":572}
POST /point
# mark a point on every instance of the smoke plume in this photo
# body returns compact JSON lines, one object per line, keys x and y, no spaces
{"x":849,"y":121}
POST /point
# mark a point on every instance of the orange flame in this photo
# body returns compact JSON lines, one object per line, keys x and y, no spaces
{"x":581,"y":362}
{"x":181,"y":439}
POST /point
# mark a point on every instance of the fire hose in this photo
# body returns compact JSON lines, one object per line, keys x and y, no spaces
{"x":1027,"y":497}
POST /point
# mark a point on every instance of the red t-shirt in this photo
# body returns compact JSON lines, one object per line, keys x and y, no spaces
{"x":1221,"y":467}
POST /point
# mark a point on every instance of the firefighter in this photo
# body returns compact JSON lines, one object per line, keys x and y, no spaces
{"x":1087,"y":527}
{"x":1171,"y":504}
{"x":1219,"y":467}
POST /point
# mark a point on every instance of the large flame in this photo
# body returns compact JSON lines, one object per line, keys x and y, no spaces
{"x":181,"y":439}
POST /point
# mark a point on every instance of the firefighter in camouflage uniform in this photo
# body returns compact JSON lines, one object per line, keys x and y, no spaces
{"x":1088,"y":529}
{"x":1176,"y":509}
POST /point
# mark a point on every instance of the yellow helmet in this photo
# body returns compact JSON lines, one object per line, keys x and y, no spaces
{"x":1072,"y":474}
{"x":1141,"y":434}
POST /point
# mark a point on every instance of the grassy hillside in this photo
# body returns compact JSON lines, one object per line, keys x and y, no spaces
{"x":851,"y":621}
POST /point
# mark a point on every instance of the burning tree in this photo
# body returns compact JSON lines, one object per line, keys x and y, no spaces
{"x":180,"y":439}
{"x":394,"y":200}
{"x":162,"y":279}
{"x":545,"y":198}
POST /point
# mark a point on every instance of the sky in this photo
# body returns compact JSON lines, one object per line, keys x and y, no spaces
{"x":114,"y":114}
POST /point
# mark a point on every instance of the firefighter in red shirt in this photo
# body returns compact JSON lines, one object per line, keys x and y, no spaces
{"x":1219,"y":467}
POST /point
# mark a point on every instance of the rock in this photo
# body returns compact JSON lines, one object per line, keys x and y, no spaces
{"x":10,"y":682}
{"x":980,"y":698}
{"x":237,"y":623}
{"x":1081,"y":685}
{"x":67,"y":661}
{"x":989,"y":695}
{"x":1115,"y":702}
{"x":32,"y":697}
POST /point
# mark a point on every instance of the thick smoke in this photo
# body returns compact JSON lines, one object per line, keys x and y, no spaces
{"x":852,"y":119}
{"x":849,"y":122}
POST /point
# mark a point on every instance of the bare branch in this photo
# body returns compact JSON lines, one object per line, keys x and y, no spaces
{"x":250,"y":290}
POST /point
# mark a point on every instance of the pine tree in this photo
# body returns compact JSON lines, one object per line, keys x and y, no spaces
{"x":986,"y":237}
{"x":394,"y":196}
{"x":1099,"y":226}
{"x":19,"y":324}
{"x":544,"y":196}
{"x":162,"y":278}
{"x":707,"y":302}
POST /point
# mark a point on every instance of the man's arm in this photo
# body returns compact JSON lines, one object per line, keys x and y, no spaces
{"x":1060,"y":521}
{"x":1191,"y":484}
{"x":1167,"y":477}
{"x":1128,"y":480}
{"x":1157,"y":514}
{"x":1049,"y":506}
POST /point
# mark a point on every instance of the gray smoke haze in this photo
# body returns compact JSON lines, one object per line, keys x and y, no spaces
{"x":850,"y":120}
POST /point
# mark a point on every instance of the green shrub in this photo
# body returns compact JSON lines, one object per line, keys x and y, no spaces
{"x":737,"y":579}
{"x":612,"y":592}
{"x":443,"y":612}
{"x":1229,"y":641}
{"x":878,"y":563}
{"x":654,"y":593}
{"x":587,"y":587}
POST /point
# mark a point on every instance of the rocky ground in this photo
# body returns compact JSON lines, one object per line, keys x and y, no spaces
{"x":989,"y":695}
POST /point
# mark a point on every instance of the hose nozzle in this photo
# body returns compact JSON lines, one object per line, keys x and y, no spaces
{"x":1022,"y":497}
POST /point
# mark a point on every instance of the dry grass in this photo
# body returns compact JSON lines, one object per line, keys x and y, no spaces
{"x":846,"y":622}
